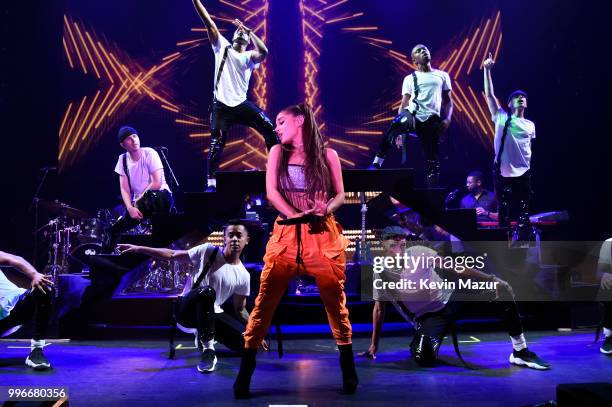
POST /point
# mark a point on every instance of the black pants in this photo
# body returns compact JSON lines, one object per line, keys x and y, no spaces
{"x":606,"y":314}
{"x":428,"y":132}
{"x":159,"y":203}
{"x":433,"y":326}
{"x":32,"y":305}
{"x":197,"y":310}
{"x":224,"y":117}
{"x":514,"y":196}
{"x":435,"y":323}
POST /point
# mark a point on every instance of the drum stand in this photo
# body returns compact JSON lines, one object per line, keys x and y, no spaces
{"x":162,"y":276}
{"x":59,"y":250}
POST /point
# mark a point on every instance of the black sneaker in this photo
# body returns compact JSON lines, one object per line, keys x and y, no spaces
{"x":525,"y":357}
{"x":208,"y":362}
{"x":606,"y":348}
{"x":37,"y":360}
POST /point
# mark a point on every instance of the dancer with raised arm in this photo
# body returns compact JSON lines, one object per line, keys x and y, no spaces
{"x":512,"y":164}
{"x":233,"y":68}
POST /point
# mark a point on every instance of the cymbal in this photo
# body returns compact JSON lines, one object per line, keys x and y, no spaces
{"x":59,"y":208}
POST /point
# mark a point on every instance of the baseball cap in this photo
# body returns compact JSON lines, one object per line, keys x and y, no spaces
{"x":125,"y":132}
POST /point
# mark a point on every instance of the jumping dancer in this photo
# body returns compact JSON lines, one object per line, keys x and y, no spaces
{"x":233,"y":68}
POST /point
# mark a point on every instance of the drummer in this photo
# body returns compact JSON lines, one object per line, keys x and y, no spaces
{"x":142,"y":183}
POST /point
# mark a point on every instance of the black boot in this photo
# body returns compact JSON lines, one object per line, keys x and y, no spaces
{"x":432,"y":168}
{"x":217,"y":144}
{"x":523,"y":225}
{"x":349,"y":374}
{"x":425,"y":348}
{"x":247,"y":367}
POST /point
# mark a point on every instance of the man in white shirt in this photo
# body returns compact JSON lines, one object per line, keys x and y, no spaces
{"x":18,"y":306}
{"x":512,"y":164}
{"x":142,"y":184}
{"x":426,"y":109}
{"x":200,"y":306}
{"x":233,"y":68}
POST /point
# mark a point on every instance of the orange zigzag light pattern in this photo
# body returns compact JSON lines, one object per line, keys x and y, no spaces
{"x":316,"y":16}
{"x":123,"y":84}
{"x":468,"y":56}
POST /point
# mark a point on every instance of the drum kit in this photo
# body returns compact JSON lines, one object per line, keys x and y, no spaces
{"x":73,"y":236}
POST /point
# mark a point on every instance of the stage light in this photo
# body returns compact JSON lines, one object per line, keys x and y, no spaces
{"x":125,"y":83}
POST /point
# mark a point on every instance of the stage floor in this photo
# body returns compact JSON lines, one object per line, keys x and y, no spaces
{"x":138,"y":373}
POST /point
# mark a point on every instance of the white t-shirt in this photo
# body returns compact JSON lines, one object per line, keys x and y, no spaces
{"x":141,"y":170}
{"x":425,"y":300}
{"x":9,"y":295}
{"x":430,"y":84}
{"x":418,"y":301}
{"x":605,"y":253}
{"x":516,"y":156}
{"x":226,"y":279}
{"x":234,"y":82}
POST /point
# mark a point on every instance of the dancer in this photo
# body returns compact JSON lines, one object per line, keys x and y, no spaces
{"x":142,"y":184}
{"x":426,"y":109}
{"x":220,"y":275}
{"x":302,"y":174}
{"x":233,"y":68}
{"x":512,"y":164}
{"x":432,"y":311}
{"x":18,"y":306}
{"x":604,"y":272}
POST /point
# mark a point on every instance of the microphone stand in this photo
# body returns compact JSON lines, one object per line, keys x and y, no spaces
{"x":34,"y":204}
{"x":450,"y":198}
{"x":165,"y":160}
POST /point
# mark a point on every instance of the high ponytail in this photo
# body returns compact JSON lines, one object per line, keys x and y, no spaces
{"x":317,"y":172}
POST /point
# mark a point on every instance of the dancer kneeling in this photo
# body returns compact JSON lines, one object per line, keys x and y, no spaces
{"x":433,"y":310}
{"x":220,"y":275}
{"x":301,"y":175}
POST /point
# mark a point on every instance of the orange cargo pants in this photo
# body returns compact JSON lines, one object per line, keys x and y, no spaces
{"x":323,"y":257}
